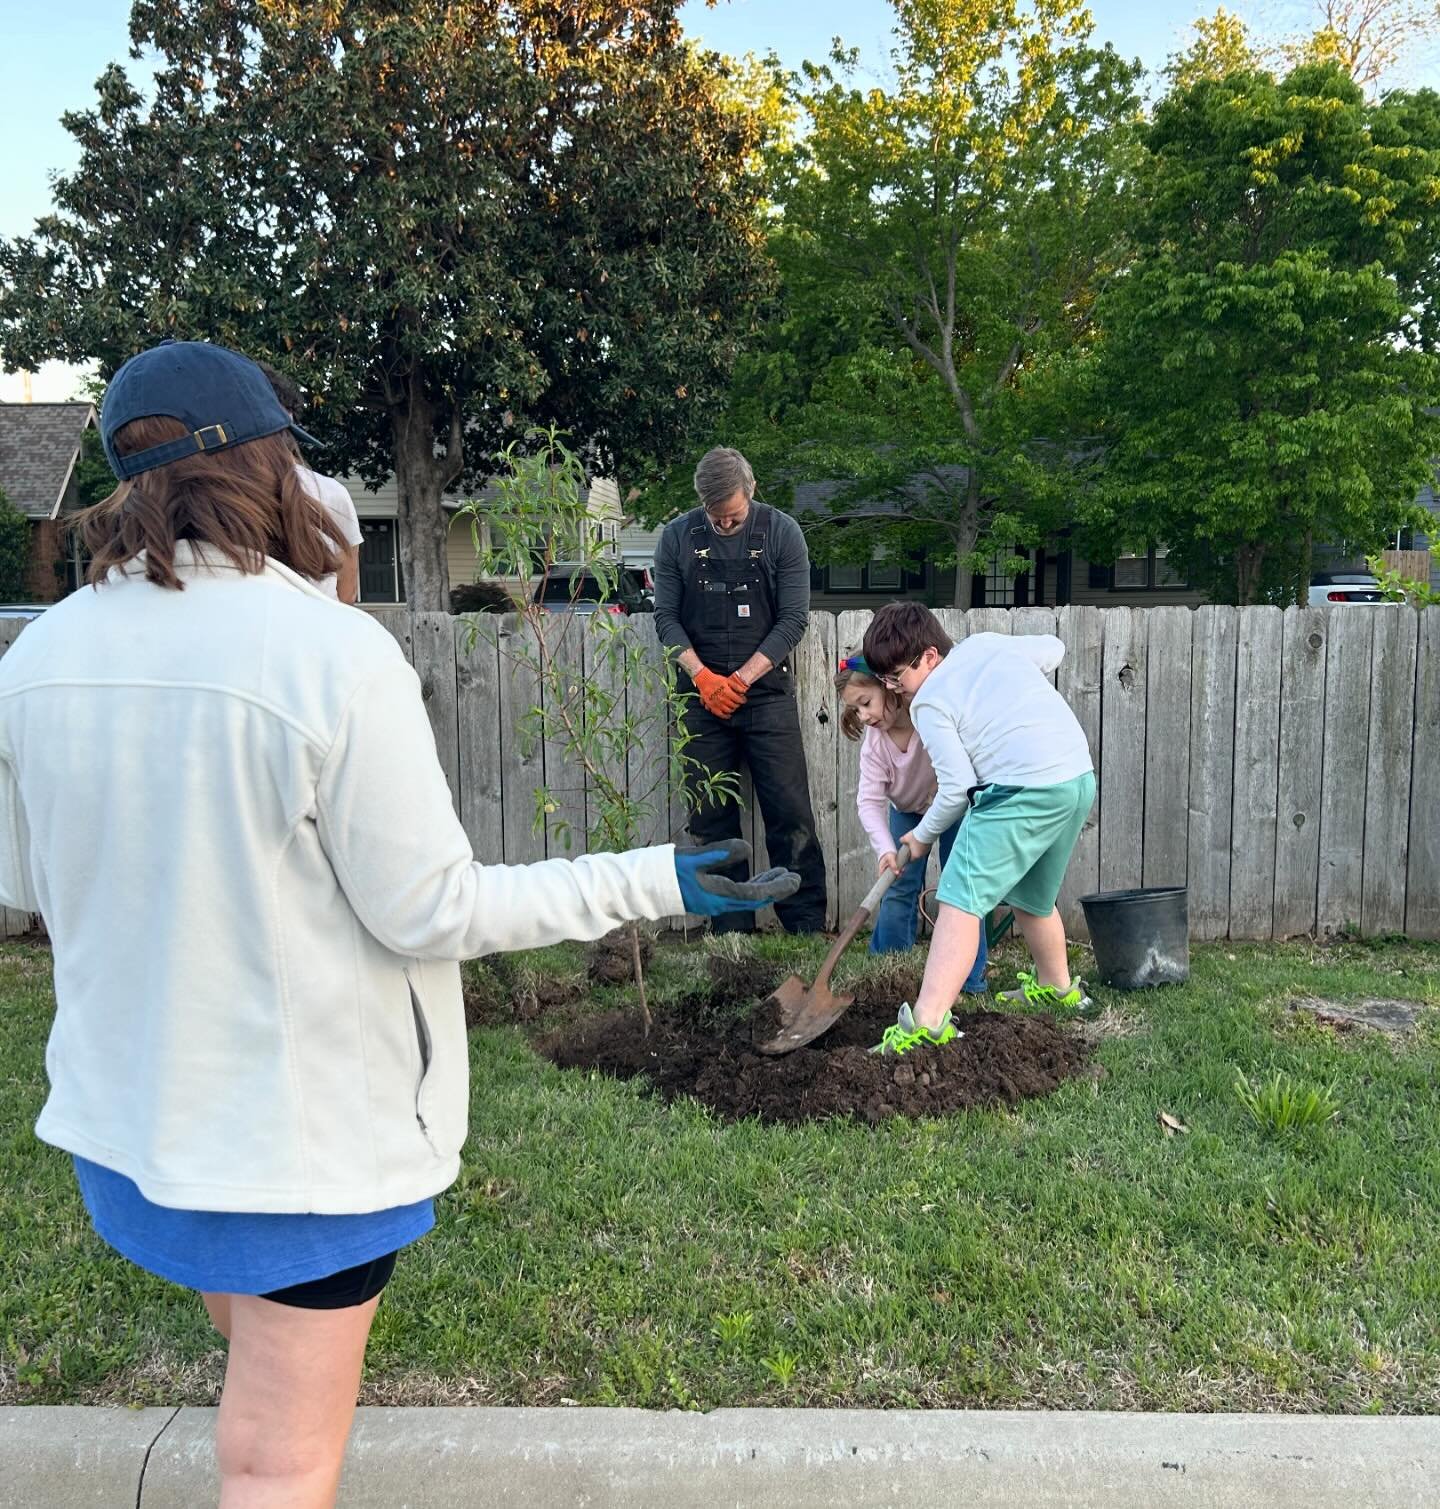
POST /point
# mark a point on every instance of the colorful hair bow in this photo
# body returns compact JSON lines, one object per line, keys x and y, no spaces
{"x":856,"y":663}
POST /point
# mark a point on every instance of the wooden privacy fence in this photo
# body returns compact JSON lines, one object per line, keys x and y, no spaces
{"x":1285,"y":765}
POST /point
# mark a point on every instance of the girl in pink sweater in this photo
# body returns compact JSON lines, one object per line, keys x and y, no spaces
{"x":897,"y":784}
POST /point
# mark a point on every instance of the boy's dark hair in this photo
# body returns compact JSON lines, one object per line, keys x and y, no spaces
{"x":902,"y":632}
{"x":286,"y":389}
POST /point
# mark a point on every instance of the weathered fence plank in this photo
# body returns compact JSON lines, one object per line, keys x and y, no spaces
{"x":1286,"y":766}
{"x":477,"y":703}
{"x":1257,"y":748}
{"x":1167,"y":746}
{"x":1033,"y":621}
{"x":646,"y":763}
{"x":855,"y":861}
{"x":1122,"y":740}
{"x":1297,"y":802}
{"x":399,"y":623}
{"x":1387,"y":781}
{"x":990,"y":621}
{"x":1078,"y":681}
{"x":522,"y":767}
{"x":603,"y":647}
{"x":1340,"y":890}
{"x":1422,"y":888}
{"x":819,"y":708}
{"x":433,"y":638}
{"x":563,"y":696}
{"x":952,"y":620}
{"x":1212,"y":758}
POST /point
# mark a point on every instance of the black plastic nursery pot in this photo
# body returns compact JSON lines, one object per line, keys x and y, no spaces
{"x":1141,"y":938}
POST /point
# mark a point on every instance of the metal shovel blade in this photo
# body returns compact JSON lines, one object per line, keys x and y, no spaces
{"x":797,"y":1014}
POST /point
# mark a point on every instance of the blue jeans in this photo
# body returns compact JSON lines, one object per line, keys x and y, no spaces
{"x":894,"y":929}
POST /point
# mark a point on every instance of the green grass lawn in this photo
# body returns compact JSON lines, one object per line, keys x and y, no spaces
{"x":603,"y":1248}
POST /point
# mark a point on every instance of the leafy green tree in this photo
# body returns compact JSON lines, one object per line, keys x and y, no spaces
{"x":1267,"y":365}
{"x":1220,"y":44}
{"x":447,"y":220}
{"x":14,"y":551}
{"x":941,"y":242}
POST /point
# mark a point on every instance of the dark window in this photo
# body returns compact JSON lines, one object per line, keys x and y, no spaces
{"x":1132,"y":573}
{"x":999,"y":584}
{"x":1151,"y":572}
{"x":379,"y":562}
{"x":1101,"y":577}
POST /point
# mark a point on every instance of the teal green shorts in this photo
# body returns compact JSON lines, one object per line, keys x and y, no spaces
{"x":1014,"y":845}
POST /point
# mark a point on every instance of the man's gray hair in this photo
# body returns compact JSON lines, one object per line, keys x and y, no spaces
{"x":722,"y":473}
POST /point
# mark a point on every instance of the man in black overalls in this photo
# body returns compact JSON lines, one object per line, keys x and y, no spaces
{"x":732,"y":595}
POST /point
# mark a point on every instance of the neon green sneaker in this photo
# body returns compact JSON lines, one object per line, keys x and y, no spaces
{"x":907,"y":1034}
{"x":1032,"y":993}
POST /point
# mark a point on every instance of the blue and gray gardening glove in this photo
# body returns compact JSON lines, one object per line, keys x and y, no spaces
{"x":706,"y":894}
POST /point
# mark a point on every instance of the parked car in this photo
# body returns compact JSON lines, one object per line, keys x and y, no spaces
{"x":1357,"y":587}
{"x":21,"y":610}
{"x":573,"y":588}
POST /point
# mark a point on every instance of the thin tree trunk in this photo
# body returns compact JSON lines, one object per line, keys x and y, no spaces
{"x":423,"y":522}
{"x":1248,"y":559}
{"x":633,"y":928}
{"x":967,"y":530}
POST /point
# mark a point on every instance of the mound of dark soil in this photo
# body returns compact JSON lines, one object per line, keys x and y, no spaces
{"x":743,"y":979}
{"x":1001,"y":1059}
{"x":609,"y":961}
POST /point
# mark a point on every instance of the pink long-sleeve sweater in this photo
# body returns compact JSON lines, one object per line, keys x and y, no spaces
{"x":889,"y":777}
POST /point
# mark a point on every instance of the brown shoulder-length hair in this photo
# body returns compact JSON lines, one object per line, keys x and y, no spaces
{"x":850,"y":724}
{"x":245,"y":502}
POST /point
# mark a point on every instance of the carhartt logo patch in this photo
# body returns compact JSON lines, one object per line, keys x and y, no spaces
{"x":743,"y":610}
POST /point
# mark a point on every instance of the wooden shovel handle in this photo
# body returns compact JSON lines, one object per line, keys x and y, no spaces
{"x":872,"y":899}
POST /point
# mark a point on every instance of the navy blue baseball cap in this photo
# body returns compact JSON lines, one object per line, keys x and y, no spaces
{"x":221,"y":397}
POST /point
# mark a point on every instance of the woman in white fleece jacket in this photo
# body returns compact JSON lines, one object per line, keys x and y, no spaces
{"x":221,"y":791}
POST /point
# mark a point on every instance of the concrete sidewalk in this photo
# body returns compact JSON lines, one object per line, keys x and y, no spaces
{"x":801,"y":1459}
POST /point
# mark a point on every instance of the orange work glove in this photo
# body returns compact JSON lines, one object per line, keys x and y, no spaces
{"x":717,"y":696}
{"x":740,"y":687}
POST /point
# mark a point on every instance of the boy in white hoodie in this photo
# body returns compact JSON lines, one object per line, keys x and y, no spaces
{"x":1004,"y":742}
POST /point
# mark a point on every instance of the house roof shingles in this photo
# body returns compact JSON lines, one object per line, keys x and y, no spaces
{"x":38,"y":446}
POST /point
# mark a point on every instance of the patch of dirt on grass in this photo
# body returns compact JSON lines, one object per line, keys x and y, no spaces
{"x":1000,"y":1060}
{"x":608,"y":960}
{"x":1110,"y":1023}
{"x":742,"y":978}
{"x":1392,"y":1017}
{"x":496,"y":993}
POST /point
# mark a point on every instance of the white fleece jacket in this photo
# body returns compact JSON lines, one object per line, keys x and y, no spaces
{"x":226,"y":803}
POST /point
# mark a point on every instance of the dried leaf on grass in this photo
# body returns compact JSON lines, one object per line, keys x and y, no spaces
{"x":1170,"y":1124}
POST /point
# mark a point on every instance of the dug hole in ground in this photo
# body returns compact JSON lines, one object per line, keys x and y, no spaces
{"x":703,"y":1047}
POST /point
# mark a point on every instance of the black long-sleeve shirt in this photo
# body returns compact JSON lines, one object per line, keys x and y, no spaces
{"x":792,"y":581}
